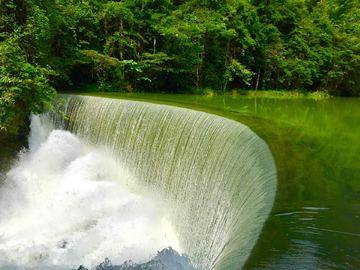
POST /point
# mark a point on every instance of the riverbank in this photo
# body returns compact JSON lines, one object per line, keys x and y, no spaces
{"x":284,"y":93}
{"x":275,"y":93}
{"x":91,"y":89}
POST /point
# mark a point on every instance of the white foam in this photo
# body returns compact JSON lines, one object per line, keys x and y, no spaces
{"x":38,"y":133}
{"x":63,"y":207}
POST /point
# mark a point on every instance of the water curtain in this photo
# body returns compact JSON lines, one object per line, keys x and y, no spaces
{"x":214,"y":178}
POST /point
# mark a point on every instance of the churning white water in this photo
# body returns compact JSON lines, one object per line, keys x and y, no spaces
{"x":64,"y":205}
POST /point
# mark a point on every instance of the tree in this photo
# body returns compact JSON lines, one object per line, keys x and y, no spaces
{"x":24,"y":88}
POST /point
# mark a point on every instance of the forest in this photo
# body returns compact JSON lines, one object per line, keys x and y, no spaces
{"x":173,"y":46}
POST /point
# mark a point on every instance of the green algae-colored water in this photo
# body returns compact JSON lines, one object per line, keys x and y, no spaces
{"x":314,"y":223}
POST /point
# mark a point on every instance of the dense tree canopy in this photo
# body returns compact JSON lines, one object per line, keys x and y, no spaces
{"x":176,"y":46}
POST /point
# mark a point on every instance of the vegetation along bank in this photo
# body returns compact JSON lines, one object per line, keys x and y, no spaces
{"x":173,"y":46}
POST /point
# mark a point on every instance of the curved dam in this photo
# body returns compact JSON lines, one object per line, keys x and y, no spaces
{"x":213,"y":178}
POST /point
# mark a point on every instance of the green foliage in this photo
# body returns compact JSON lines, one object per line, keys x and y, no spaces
{"x":174,"y":46}
{"x":24,"y":88}
{"x":180,"y":46}
{"x":235,"y":68}
{"x":102,"y":61}
{"x":319,"y":53}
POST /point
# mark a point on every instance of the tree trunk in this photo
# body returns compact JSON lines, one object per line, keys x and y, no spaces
{"x":122,"y":36}
{"x":257,"y":81}
{"x":154,"y":45}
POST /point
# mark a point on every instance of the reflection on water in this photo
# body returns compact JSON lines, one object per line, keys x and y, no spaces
{"x":308,"y":240}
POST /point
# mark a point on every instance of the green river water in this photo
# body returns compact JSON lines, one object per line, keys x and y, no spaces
{"x":314,"y":223}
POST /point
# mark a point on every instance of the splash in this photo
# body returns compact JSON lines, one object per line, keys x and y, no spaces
{"x":63,"y":205}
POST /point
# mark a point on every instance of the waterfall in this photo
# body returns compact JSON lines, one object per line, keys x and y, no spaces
{"x":213,"y":178}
